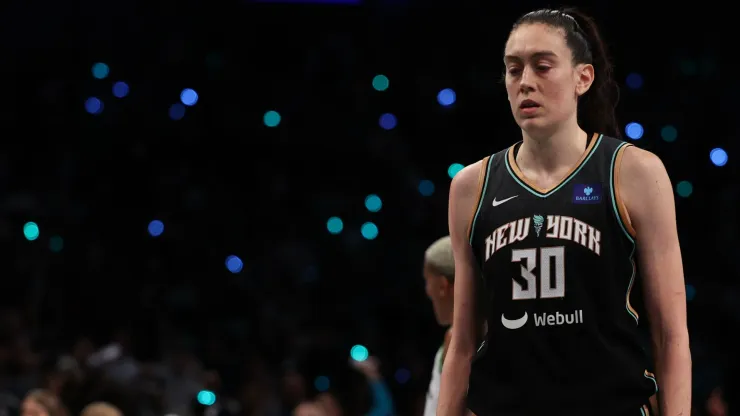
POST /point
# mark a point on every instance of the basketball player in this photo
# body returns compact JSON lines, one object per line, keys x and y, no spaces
{"x":439,"y":278}
{"x":557,"y":225}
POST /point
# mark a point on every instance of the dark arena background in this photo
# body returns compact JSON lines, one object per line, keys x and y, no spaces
{"x":221,"y":207}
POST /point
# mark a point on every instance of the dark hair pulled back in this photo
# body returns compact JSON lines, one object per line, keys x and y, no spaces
{"x":596,"y":109}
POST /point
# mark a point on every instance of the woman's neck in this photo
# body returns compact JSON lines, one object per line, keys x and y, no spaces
{"x":563,"y":149}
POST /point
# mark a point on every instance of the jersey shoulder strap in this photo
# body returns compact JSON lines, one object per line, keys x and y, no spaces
{"x":613,"y":150}
{"x":609,"y":145}
{"x":440,"y":358}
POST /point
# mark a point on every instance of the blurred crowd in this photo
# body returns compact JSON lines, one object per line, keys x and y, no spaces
{"x":108,"y":380}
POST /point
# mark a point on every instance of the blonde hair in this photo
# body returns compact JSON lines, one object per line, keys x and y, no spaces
{"x":439,"y":256}
{"x":100,"y":409}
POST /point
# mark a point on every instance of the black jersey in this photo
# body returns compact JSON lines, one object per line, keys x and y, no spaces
{"x":559,"y":267}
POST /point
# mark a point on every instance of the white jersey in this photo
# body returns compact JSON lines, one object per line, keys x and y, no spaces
{"x":430,"y":407}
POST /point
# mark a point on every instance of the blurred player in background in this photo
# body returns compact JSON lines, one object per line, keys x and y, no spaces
{"x":439,"y":278}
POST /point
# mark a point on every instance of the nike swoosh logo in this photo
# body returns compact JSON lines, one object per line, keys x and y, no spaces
{"x":497,"y":203}
{"x":514,"y":323}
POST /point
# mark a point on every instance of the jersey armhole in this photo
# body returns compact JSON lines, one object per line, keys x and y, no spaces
{"x":620,"y":210}
{"x":482,"y":184}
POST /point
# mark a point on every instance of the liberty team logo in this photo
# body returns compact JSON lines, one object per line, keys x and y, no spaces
{"x":587,"y":193}
{"x":538,"y":220}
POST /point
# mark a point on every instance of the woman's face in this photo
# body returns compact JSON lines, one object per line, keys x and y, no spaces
{"x":31,"y":407}
{"x":542,"y":84}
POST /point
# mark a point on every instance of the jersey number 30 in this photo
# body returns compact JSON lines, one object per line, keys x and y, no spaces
{"x":551,"y":270}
